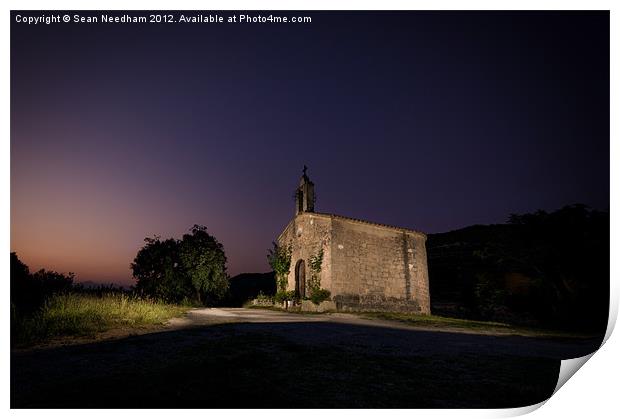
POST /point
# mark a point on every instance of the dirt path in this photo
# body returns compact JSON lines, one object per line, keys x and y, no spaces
{"x":209,"y":316}
{"x":382,"y":333}
{"x":255,"y":358}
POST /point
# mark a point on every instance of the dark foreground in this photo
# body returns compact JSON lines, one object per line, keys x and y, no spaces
{"x":278,"y":360}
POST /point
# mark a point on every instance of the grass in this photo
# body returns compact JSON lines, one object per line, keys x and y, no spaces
{"x":450,"y":323}
{"x":439,"y":322}
{"x":86,"y":315}
{"x":436,"y":321}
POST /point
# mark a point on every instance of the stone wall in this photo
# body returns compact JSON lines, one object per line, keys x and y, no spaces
{"x":308,"y":233}
{"x":378,"y":268}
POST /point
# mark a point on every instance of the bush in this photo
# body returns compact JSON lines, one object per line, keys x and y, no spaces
{"x":264,"y":299}
{"x":282,"y":296}
{"x":320,"y":295}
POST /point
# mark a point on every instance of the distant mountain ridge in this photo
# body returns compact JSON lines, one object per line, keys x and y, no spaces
{"x":247,"y":286}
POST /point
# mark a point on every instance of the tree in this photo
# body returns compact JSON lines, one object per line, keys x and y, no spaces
{"x":21,"y":286}
{"x":19,"y":270}
{"x":30,"y":290}
{"x":204,"y":261}
{"x":158,"y":271}
{"x":176,"y":270}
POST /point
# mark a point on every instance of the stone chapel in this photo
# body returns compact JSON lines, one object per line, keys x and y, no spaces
{"x":366,"y":266}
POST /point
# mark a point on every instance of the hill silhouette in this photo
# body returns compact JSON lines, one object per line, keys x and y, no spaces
{"x":541,"y":269}
{"x":247,"y":286}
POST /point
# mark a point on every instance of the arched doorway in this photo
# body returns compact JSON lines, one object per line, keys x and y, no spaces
{"x":300,"y":278}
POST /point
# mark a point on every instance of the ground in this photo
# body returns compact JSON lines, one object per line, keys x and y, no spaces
{"x":269,"y":359}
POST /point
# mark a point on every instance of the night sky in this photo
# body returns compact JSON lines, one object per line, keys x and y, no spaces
{"x":431,"y":121}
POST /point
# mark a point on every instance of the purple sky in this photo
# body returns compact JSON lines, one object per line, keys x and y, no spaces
{"x":432,"y":121}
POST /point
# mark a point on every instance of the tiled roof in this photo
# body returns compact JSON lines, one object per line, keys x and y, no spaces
{"x":357,"y":220}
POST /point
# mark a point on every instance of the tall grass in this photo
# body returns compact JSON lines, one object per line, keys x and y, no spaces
{"x":86,"y":315}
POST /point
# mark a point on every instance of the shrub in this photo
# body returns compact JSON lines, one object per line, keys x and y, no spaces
{"x":264,"y":299}
{"x":320,"y":295}
{"x":280,"y":261}
{"x":282,"y":296}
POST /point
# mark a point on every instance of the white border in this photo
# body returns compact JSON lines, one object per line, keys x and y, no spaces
{"x":591,"y":393}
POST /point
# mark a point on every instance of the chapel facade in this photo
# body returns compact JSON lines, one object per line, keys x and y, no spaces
{"x":366,"y":266}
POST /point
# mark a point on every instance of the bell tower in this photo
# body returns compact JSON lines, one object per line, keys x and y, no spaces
{"x":304,"y":196}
